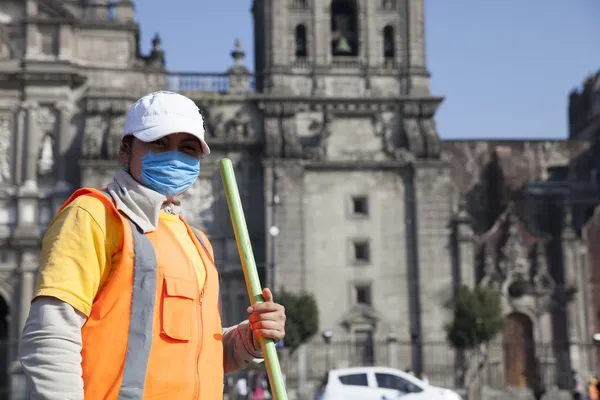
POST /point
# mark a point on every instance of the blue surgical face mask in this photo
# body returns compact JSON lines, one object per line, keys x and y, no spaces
{"x":170,"y":173}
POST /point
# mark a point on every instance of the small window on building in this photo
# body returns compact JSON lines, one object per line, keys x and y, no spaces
{"x":363,"y":294}
{"x":362,"y":252}
{"x":360,"y":206}
{"x":301,"y":49}
{"x":389,"y":48}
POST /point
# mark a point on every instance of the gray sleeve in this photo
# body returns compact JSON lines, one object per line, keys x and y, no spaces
{"x":50,"y":350}
{"x":238,"y":347}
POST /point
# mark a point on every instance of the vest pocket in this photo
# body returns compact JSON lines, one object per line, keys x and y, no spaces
{"x":179,"y":308}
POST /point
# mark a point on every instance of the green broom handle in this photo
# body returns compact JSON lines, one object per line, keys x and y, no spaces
{"x":251,"y":274}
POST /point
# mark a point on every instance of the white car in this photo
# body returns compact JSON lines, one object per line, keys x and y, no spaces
{"x":378,"y":383}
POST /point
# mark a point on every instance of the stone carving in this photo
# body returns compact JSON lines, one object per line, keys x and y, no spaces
{"x":46,"y":157}
{"x":239,"y":127}
{"x":5,"y":51}
{"x":273,"y":138}
{"x":199,"y":198}
{"x":543,"y":282}
{"x":93,"y":136}
{"x":8,"y":49}
{"x":414,"y":139}
{"x":291,"y":142}
{"x":431,"y":137}
{"x":115,"y":132}
{"x":513,"y":259}
{"x":321,"y":132}
{"x":389,"y":142}
{"x":213,"y":123}
{"x":46,"y":118}
{"x":550,"y":154}
{"x":5,"y":148}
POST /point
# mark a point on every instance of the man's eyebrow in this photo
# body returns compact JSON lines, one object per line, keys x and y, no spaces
{"x":190,"y":139}
{"x":162,"y":138}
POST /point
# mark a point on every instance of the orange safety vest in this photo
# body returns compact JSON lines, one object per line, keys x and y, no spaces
{"x":153,"y":333}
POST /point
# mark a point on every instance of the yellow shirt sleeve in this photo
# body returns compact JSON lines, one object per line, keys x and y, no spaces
{"x":79,"y":253}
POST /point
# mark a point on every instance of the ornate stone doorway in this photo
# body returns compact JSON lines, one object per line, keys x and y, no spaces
{"x":519,"y":352}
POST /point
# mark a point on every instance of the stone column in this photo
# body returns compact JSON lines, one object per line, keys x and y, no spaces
{"x":28,"y":268}
{"x":393,"y":352}
{"x":32,"y":44}
{"x":418,"y":75}
{"x":65,"y":37}
{"x":28,"y":265}
{"x":61,"y":145}
{"x":31,"y":145}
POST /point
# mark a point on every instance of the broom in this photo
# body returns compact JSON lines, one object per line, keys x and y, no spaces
{"x":250,"y":273}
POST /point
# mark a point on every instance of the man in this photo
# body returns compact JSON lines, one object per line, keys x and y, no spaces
{"x":127,"y":301}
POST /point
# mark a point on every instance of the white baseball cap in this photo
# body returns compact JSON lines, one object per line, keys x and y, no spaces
{"x":162,"y":113}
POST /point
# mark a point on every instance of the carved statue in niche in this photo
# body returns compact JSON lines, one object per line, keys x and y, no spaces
{"x":543,"y":282}
{"x":513,"y":258}
{"x":46,"y":158}
{"x":93,"y":136}
{"x":8,"y":49}
{"x":321,"y":132}
{"x":5,"y":148}
{"x":291,"y":142}
{"x":431,"y":137}
{"x":5,"y":51}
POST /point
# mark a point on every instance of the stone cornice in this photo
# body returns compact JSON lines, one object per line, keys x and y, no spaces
{"x":352,"y":165}
{"x":85,"y":24}
{"x":415,"y":107}
{"x":71,"y":79}
{"x":113,"y":104}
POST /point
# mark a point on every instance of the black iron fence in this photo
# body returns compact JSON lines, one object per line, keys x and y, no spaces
{"x":514,"y":366}
{"x":508,"y":365}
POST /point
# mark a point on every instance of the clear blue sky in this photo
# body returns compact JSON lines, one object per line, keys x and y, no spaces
{"x":505,"y":67}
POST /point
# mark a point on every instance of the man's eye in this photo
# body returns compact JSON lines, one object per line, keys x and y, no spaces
{"x":159,"y":142}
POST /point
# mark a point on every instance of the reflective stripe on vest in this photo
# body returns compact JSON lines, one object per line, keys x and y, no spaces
{"x":143,"y":299}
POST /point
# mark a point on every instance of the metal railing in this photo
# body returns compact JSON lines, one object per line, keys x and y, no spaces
{"x":208,"y":83}
{"x":439,"y":363}
{"x":541,"y":363}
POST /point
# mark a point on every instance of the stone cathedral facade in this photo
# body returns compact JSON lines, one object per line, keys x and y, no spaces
{"x":349,"y":192}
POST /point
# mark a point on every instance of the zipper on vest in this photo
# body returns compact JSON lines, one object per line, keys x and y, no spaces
{"x":200,"y":340}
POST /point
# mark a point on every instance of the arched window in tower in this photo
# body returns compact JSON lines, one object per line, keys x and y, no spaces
{"x":301,"y":48}
{"x":344,"y":28}
{"x":389,"y":47}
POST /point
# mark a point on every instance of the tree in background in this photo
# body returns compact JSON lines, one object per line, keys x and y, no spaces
{"x":478,"y":319}
{"x":302,"y":317}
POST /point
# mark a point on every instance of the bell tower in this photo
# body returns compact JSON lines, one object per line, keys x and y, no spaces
{"x":340,"y":47}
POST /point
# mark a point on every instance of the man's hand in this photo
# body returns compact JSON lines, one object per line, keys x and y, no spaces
{"x":267,"y":319}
